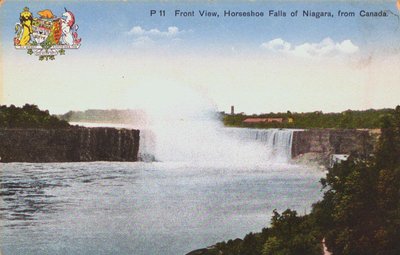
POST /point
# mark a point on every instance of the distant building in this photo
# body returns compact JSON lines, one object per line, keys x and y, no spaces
{"x":255,"y":120}
{"x":264,"y":120}
{"x":232,"y":110}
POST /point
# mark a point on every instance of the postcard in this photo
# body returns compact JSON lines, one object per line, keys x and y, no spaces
{"x":199,"y":127}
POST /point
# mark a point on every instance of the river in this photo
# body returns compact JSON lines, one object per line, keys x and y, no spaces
{"x":169,"y":207}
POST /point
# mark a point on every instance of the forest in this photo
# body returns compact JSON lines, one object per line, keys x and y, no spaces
{"x":28,"y":116}
{"x":104,"y":116}
{"x":318,"y":119}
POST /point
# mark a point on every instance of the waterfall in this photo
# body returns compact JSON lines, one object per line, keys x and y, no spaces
{"x":204,"y":141}
{"x":146,"y":145}
{"x":208,"y":141}
{"x":277,"y":141}
{"x":183,"y":124}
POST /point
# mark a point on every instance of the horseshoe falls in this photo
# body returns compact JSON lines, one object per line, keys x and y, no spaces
{"x":277,"y":141}
{"x":207,"y":142}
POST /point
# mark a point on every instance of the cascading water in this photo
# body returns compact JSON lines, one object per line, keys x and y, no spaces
{"x":183,"y":126}
{"x":208,"y":142}
{"x":277,"y":141}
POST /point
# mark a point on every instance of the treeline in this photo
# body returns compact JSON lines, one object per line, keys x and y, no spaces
{"x":28,"y":116}
{"x":105,"y":116}
{"x":358,"y":215}
{"x":347,"y":119}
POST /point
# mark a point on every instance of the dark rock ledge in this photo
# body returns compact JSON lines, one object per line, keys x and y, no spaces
{"x":68,"y":144}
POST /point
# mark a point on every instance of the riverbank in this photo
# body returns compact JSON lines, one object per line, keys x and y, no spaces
{"x":68,"y":144}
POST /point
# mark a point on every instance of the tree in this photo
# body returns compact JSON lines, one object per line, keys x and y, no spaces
{"x":292,"y":235}
{"x":360,"y":212}
{"x":28,"y":116}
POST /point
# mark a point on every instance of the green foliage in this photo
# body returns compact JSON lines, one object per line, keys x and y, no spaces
{"x":289,"y":234}
{"x":28,"y":116}
{"x":389,"y":143}
{"x":362,"y":201}
{"x":292,"y":235}
{"x":352,"y":197}
{"x":347,"y":119}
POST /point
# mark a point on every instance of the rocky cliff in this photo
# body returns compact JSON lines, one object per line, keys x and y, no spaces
{"x":333,"y":141}
{"x":68,"y":145}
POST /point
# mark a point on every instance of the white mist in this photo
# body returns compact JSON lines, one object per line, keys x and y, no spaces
{"x":184,"y":126}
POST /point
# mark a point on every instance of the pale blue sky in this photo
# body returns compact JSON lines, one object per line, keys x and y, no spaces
{"x":105,"y":23}
{"x":122,"y":45}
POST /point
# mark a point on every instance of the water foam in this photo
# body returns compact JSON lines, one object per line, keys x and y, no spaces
{"x":183,"y":126}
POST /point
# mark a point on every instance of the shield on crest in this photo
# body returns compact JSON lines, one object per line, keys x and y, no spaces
{"x":46,"y":30}
{"x":40,"y":30}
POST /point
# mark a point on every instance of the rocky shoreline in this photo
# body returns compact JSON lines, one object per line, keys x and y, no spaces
{"x":320,"y":144}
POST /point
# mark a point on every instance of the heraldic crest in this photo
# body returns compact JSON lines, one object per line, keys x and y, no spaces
{"x":46,"y":36}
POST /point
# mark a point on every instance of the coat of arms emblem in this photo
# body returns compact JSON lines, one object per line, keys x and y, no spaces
{"x":47,"y":35}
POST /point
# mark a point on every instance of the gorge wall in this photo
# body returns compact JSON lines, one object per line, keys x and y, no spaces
{"x":110,"y":144}
{"x":68,"y":145}
{"x":333,"y":141}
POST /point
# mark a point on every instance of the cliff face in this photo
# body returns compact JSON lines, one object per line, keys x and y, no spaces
{"x":333,"y":141}
{"x":68,"y":145}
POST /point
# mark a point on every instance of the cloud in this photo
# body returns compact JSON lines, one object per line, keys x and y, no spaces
{"x":326,"y":48}
{"x":155,"y":37}
{"x":277,"y":45}
{"x":170,"y":32}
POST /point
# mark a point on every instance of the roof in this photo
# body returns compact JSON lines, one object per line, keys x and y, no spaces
{"x":274,"y":119}
{"x":262,"y":120}
{"x":255,"y":120}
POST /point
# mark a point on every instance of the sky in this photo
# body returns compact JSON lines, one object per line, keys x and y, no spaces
{"x":130,"y":59}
